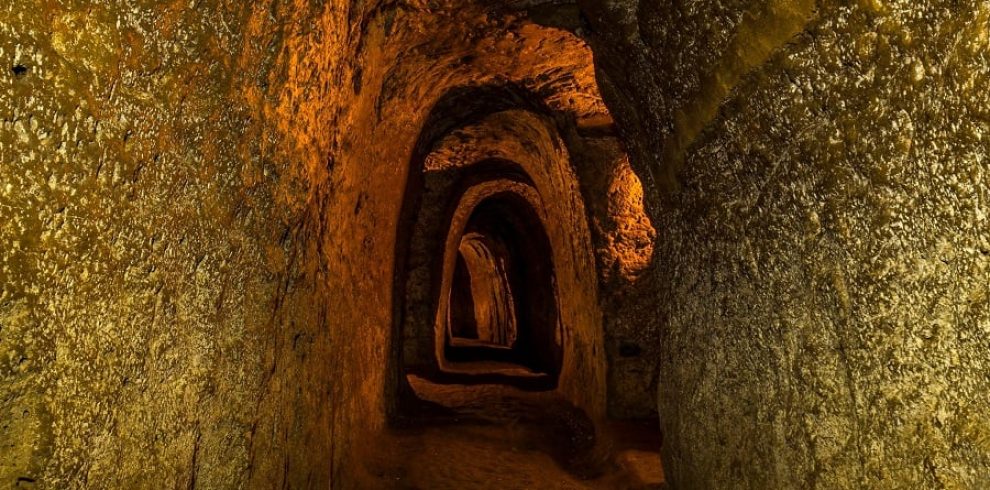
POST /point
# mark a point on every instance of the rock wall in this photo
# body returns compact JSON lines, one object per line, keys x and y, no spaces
{"x":161,"y":321}
{"x":823,"y":244}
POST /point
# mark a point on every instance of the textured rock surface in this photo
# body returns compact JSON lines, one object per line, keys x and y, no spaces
{"x":824,"y":253}
{"x":158,"y":312}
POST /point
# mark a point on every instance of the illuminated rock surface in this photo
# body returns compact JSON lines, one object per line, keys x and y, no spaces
{"x":824,"y":246}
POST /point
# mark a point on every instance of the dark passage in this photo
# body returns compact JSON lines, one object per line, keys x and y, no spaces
{"x":503,"y":303}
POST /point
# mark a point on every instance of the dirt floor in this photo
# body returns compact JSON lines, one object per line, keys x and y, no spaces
{"x":499,"y":437}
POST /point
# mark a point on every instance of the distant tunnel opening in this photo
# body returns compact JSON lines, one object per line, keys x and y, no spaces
{"x":482,"y":309}
{"x":502,"y":304}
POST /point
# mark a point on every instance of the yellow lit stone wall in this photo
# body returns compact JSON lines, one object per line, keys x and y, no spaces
{"x":823,"y":178}
{"x":153,"y":207}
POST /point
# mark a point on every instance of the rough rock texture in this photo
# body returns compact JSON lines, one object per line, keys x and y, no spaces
{"x":159,"y":311}
{"x":199,"y":222}
{"x":823,"y":248}
{"x":624,"y":245}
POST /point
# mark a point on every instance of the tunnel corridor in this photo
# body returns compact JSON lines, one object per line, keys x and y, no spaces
{"x":503,"y":334}
{"x":507,"y":244}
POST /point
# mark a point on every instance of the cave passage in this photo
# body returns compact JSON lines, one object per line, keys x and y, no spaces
{"x":521,"y":238}
{"x":502,"y":300}
{"x":482,"y":307}
{"x":500,"y":284}
{"x":462,"y":244}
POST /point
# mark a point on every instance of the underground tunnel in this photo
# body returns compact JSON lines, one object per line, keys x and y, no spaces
{"x":494,"y":244}
{"x":502,"y":249}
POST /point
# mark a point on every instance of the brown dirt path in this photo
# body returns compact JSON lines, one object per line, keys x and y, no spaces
{"x":498,"y":437}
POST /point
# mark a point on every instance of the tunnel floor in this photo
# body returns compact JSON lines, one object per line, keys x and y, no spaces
{"x":497,"y":436}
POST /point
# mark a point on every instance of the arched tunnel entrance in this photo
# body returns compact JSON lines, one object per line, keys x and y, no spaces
{"x":520,"y":238}
{"x":495,"y":198}
{"x":499,"y":282}
{"x":502,"y":302}
{"x":508,"y":280}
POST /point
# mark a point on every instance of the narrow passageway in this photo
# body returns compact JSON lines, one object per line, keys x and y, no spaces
{"x":496,"y":436}
{"x":523,"y":230}
{"x":495,"y":244}
{"x":504,"y":361}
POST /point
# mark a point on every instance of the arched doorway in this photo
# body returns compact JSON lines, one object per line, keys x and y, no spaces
{"x":517,"y":158}
{"x":499,"y":308}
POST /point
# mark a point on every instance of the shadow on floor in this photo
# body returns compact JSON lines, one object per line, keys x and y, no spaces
{"x":492,"y":436}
